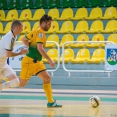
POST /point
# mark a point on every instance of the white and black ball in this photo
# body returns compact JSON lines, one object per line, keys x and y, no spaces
{"x":94,"y":101}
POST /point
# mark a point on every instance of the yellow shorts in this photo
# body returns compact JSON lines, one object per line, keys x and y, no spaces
{"x":30,"y":66}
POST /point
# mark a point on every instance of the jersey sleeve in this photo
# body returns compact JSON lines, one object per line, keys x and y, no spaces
{"x":28,"y":36}
{"x":40,"y":37}
{"x":9,"y":45}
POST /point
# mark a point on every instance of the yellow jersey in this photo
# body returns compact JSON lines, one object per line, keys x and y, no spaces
{"x":36,"y":36}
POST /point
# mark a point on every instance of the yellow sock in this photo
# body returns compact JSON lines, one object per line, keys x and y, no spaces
{"x":48,"y":91}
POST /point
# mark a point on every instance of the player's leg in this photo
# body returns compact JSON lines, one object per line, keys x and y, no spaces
{"x":13,"y":80}
{"x":26,"y":70}
{"x":46,"y":85}
{"x":44,"y":75}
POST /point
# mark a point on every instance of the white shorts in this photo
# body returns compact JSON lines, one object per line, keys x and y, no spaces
{"x":6,"y":71}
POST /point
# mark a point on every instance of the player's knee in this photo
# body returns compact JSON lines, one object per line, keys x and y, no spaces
{"x":22,"y":85}
{"x":15,"y":82}
{"x":47,"y":79}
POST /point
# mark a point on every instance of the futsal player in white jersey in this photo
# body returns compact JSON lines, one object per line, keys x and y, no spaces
{"x":6,"y":50}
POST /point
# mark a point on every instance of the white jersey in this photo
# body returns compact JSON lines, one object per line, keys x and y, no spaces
{"x":6,"y":43}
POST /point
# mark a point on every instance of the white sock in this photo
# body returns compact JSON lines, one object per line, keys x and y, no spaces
{"x":0,"y":84}
{"x":10,"y":84}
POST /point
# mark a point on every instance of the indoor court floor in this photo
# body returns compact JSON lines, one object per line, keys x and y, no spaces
{"x":32,"y":103}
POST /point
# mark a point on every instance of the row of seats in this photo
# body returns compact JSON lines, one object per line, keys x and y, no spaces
{"x":67,"y":14}
{"x":17,"y":4}
{"x":68,"y":27}
{"x":83,"y":55}
{"x":82,"y":37}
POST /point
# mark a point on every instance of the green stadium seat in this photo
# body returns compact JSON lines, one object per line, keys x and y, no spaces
{"x":3,"y":4}
{"x":78,"y":3}
{"x":52,"y":4}
{"x":14,"y":4}
{"x":108,"y":3}
{"x":26,"y":4}
{"x":65,"y":3}
{"x":93,"y":3}
{"x":39,"y":4}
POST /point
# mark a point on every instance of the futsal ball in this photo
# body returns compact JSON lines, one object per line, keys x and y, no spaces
{"x":94,"y":101}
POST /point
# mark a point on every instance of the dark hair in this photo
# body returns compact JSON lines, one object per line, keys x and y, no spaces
{"x":45,"y":18}
{"x":16,"y":23}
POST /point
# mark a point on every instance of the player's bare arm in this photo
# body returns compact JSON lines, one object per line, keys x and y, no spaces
{"x":25,"y":41}
{"x":44,"y":54}
{"x":12,"y":54}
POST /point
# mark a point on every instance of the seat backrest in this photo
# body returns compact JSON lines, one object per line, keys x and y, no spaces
{"x":81,"y":12}
{"x":94,"y":3}
{"x":26,"y":13}
{"x":3,"y":4}
{"x":67,"y":37}
{"x":54,"y":26}
{"x":1,"y":26}
{"x":97,"y":25}
{"x":79,"y":3}
{"x":111,"y":11}
{"x":2,"y":14}
{"x":113,"y":38}
{"x":12,"y":14}
{"x":36,"y":24}
{"x":14,"y":4}
{"x":83,"y":53}
{"x":67,"y":25}
{"x":26,"y":4}
{"x":65,"y":3}
{"x":26,"y":26}
{"x":40,"y":3}
{"x":8,"y":26}
{"x":53,"y":53}
{"x":98,"y":37}
{"x":96,"y":12}
{"x":53,"y":3}
{"x":53,"y":37}
{"x":99,"y":53}
{"x":111,"y":25}
{"x":67,"y":13}
{"x":68,"y":53}
{"x":54,"y":13}
{"x":83,"y":37}
{"x":108,"y":3}
{"x":82,"y":25}
{"x":20,"y":38}
{"x":39,"y":13}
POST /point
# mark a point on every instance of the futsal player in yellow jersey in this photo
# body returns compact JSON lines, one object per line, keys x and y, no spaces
{"x":32,"y":64}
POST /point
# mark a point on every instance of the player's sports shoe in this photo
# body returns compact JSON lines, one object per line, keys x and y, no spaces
{"x":53,"y":105}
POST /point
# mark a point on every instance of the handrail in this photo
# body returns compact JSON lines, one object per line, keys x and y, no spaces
{"x":58,"y":62}
{"x":70,"y":70}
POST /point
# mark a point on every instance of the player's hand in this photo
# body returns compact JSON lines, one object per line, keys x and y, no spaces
{"x":52,"y":63}
{"x":24,"y":51}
